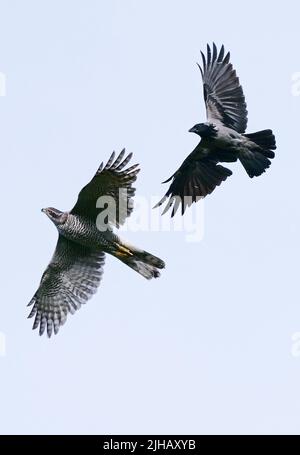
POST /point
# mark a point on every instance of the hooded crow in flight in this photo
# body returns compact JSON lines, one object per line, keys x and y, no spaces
{"x":223,"y":137}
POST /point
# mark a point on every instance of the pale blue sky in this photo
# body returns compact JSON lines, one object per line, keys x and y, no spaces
{"x":207,"y":347}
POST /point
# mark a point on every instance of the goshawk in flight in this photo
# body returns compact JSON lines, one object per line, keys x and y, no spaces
{"x":222,"y":137}
{"x":76,"y":268}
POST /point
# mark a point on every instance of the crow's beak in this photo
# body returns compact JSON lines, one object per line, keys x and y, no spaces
{"x":192,"y":130}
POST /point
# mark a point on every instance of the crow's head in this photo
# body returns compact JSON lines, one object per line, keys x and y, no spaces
{"x":204,"y":130}
{"x":55,"y":215}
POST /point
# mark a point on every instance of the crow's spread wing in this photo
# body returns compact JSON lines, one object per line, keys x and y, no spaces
{"x":223,"y":94}
{"x":114,"y":184}
{"x":70,"y":279}
{"x":197,"y":177}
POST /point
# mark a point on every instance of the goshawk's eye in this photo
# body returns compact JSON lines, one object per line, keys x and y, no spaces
{"x":53,"y":214}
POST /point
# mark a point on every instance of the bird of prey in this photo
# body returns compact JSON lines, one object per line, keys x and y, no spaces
{"x":223,"y":137}
{"x":76,"y":268}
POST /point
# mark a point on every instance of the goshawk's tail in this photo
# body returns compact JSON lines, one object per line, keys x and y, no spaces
{"x":139,"y":260}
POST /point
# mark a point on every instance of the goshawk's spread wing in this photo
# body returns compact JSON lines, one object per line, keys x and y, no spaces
{"x":70,"y":279}
{"x":113,"y":183}
{"x":223,"y":94}
{"x":197,"y":177}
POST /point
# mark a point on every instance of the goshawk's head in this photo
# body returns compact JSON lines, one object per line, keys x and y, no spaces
{"x":55,"y":215}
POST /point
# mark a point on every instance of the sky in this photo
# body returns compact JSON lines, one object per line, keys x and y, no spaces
{"x":212,"y":346}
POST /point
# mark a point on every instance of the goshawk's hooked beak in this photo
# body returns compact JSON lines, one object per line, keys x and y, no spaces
{"x":43,"y":210}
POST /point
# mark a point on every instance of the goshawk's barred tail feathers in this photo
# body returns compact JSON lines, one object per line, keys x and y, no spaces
{"x":146,"y":264}
{"x":256,"y":159}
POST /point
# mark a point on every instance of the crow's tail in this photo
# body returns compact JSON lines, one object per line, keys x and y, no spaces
{"x":256,"y":159}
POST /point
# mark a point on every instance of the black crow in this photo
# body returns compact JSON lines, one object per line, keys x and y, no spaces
{"x":223,"y":137}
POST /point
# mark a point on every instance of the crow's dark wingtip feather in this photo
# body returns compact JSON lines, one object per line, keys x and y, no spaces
{"x":215,"y":52}
{"x":160,"y":202}
{"x":201,"y":71}
{"x":227,"y":58}
{"x":168,"y":180}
